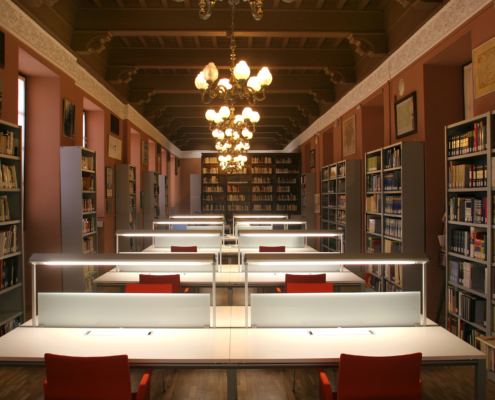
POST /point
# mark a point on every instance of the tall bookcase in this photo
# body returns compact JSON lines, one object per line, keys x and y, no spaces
{"x":269,"y":183}
{"x":126,"y":204}
{"x":79,"y":231}
{"x":469,"y":198}
{"x":341,"y":205}
{"x":163,"y":196}
{"x":11,"y":229}
{"x":151,"y":207}
{"x":395,"y":213}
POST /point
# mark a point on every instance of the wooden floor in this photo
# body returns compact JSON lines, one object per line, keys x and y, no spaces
{"x":270,"y":384}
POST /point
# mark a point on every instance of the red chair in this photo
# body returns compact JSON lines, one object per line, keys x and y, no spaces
{"x":95,"y":378}
{"x":309,"y":288}
{"x":374,"y":378}
{"x":174,"y":280}
{"x":184,"y":249}
{"x":272,"y":249}
{"x":148,"y":288}
{"x":291,"y":278}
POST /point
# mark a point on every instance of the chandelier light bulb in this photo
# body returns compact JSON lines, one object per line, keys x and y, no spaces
{"x":218,"y":146}
{"x":246,"y":113}
{"x":220,"y":135}
{"x":254,"y":83}
{"x":239,"y":118}
{"x":215,"y":133}
{"x":255,"y":117}
{"x":210,"y":72}
{"x":210,"y":115}
{"x":247,"y":134}
{"x":236,"y":135}
{"x":228,"y":132}
{"x":228,"y":157}
{"x":200,"y":82}
{"x":224,"y":112}
{"x":218,"y":118}
{"x":264,"y":77}
{"x":242,"y":71}
{"x":225,"y":83}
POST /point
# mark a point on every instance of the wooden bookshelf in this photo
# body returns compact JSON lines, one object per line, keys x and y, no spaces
{"x":395,"y":213}
{"x":12,"y":312}
{"x":126,"y":216}
{"x":469,"y":191}
{"x":308,"y":190}
{"x":341,"y":205}
{"x":269,"y":183}
{"x":79,"y":222}
{"x":163,"y":196}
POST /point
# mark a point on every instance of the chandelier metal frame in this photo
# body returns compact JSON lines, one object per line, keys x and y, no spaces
{"x":206,"y":8}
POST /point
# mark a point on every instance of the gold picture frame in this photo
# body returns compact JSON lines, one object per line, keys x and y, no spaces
{"x":144,"y":153}
{"x":349,"y":136}
{"x":484,"y":68}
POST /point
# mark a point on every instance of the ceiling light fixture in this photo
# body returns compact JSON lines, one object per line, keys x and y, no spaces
{"x":206,"y":8}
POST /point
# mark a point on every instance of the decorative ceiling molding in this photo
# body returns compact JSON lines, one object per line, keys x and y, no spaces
{"x":453,"y":15}
{"x":19,"y":24}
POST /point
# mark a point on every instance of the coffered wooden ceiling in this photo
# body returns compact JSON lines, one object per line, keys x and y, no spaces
{"x":148,"y":52}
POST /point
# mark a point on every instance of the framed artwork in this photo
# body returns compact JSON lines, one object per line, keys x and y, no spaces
{"x":406,"y":122}
{"x":484,"y":68}
{"x":177,"y":165}
{"x":144,"y":153}
{"x":349,"y":136}
{"x":312,"y":159}
{"x":114,"y":147}
{"x":68,"y":115}
{"x":109,"y":182}
{"x":114,"y":125}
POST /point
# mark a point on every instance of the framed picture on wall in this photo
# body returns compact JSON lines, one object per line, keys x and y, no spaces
{"x":406,"y":122}
{"x":114,"y":147}
{"x":483,"y":68}
{"x":68,"y":115}
{"x":349,"y":136}
{"x":109,"y":182}
{"x":144,"y":153}
{"x":177,"y":165}
{"x":114,"y":125}
{"x":312,"y":159}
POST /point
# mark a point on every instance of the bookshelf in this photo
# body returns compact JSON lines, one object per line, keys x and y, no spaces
{"x":341,"y":204}
{"x":469,"y":200}
{"x":394,"y":213}
{"x":151,"y":207}
{"x":126,"y":216}
{"x":269,"y":183}
{"x":163,"y":196}
{"x":308,"y":190}
{"x":79,"y":231}
{"x":11,"y":233}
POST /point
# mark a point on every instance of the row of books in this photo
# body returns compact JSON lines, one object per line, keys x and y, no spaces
{"x":211,"y":160}
{"x":391,"y":158}
{"x":262,"y":189}
{"x":89,"y":244}
{"x":333,"y":172}
{"x":392,"y":181}
{"x":283,"y":189}
{"x":286,"y":207}
{"x":471,"y":308}
{"x":9,"y":144}
{"x":291,"y":181}
{"x":469,"y":243}
{"x":132,"y":187}
{"x":372,"y":282}
{"x":132,"y":201}
{"x":468,"y":142}
{"x":262,"y":160}
{"x":332,"y":187}
{"x":210,"y":170}
{"x":341,"y":201}
{"x":324,"y":173}
{"x":9,"y":240}
{"x":235,"y":189}
{"x":376,"y":269}
{"x":9,"y":273}
{"x":373,"y":224}
{"x":341,"y":186}
{"x":261,"y":207}
{"x":286,"y":171}
{"x":236,"y":197}
{"x":468,"y":274}
{"x":373,"y":203}
{"x":470,"y":334}
{"x":468,"y":209}
{"x":373,"y":163}
{"x":213,"y":179}
{"x":89,"y":225}
{"x":88,"y":182}
{"x":9,"y":326}
{"x":213,"y":189}
{"x":332,"y":201}
{"x":341,"y":217}
{"x":373,"y":183}
{"x":285,"y":160}
{"x":132,"y":173}
{"x":208,"y":198}
{"x":467,"y":176}
{"x":374,"y":245}
{"x":266,"y":179}
{"x":4,"y":209}
{"x":393,"y":227}
{"x":393,"y":205}
{"x":8,"y":177}
{"x":88,"y":163}
{"x":390,"y":287}
{"x":262,"y":197}
{"x":453,"y":325}
{"x":341,"y":170}
{"x":88,"y":205}
{"x":210,"y":207}
{"x":265,"y":170}
{"x":394,"y":273}
{"x":287,"y":197}
{"x":392,"y":246}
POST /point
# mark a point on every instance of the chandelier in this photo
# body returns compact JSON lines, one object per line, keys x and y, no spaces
{"x":206,"y":8}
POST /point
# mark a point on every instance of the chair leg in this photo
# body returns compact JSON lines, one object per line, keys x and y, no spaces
{"x":164,"y":377}
{"x":293,"y":380}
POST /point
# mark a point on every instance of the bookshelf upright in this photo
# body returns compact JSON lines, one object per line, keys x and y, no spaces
{"x":163,"y":196}
{"x":12,"y":311}
{"x":79,"y":231}
{"x":151,"y":207}
{"x":126,"y":204}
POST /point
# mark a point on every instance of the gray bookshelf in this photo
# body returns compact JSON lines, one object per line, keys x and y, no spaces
{"x":341,"y":205}
{"x":126,"y":204}
{"x":308,"y":190}
{"x":79,"y":223}
{"x":12,"y":308}
{"x":151,"y":207}
{"x":480,"y":289}
{"x":395,"y":213}
{"x":163,"y":196}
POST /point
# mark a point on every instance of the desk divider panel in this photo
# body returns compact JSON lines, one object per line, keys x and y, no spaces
{"x":290,"y":242}
{"x":327,"y":310}
{"x":123,"y":310}
{"x":292,"y":268}
{"x":204,"y":242}
{"x":177,"y":268}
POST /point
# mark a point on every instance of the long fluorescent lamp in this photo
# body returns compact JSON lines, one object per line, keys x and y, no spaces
{"x":156,"y":233}
{"x":83,"y":262}
{"x":201,"y":216}
{"x":332,"y":262}
{"x":292,"y":233}
{"x":187,"y":222}
{"x":261,"y":216}
{"x":268,"y":222}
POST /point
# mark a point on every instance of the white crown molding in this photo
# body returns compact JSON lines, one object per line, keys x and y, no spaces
{"x":19,"y":24}
{"x":454,"y":14}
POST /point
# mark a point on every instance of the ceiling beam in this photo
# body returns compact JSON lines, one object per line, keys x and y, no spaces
{"x":199,"y":112}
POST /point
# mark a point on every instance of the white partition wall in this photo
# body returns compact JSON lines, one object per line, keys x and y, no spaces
{"x":333,"y":310}
{"x":118,"y":310}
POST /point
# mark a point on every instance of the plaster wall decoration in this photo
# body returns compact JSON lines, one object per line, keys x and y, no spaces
{"x":447,"y":20}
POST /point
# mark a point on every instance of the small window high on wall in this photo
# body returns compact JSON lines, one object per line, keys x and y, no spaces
{"x":21,"y":114}
{"x":85,"y":136}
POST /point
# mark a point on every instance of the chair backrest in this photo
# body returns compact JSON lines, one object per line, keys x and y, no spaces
{"x":272,"y":249}
{"x":98,"y":378}
{"x":173,"y":279}
{"x":309,"y":288}
{"x":184,"y":249}
{"x":315,"y":278}
{"x":148,"y":288}
{"x":395,"y":377}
